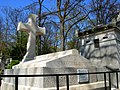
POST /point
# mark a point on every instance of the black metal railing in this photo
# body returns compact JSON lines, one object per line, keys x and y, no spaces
{"x":105,"y":74}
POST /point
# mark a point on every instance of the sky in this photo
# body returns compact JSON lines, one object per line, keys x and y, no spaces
{"x":15,"y":3}
{"x":23,"y":3}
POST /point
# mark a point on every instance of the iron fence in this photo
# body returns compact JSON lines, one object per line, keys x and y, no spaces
{"x":105,"y":74}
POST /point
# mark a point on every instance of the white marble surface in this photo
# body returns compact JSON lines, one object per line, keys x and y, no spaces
{"x":55,"y":63}
{"x":90,"y":86}
{"x":69,"y":58}
{"x":32,"y":29}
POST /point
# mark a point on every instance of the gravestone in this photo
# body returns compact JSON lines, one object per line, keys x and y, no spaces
{"x":118,"y":18}
{"x":2,"y":62}
{"x":2,"y":66}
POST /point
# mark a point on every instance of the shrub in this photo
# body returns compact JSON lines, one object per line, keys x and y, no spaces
{"x":13,"y":62}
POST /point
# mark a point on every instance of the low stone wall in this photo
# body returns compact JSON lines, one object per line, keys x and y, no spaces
{"x":89,"y":86}
{"x":45,"y":82}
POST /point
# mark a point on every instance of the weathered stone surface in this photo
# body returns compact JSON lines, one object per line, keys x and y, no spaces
{"x":55,"y":63}
{"x":32,"y":29}
{"x":105,"y":57}
{"x":70,"y":58}
{"x":90,"y":86}
{"x":107,"y":54}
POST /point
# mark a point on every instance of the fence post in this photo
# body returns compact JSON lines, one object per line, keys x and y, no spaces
{"x":105,"y":81}
{"x":117,"y":80}
{"x":67,"y":81}
{"x":57,"y":82}
{"x":109,"y":81}
{"x":16,"y":83}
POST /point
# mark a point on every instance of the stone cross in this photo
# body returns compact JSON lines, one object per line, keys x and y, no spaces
{"x":32,"y":29}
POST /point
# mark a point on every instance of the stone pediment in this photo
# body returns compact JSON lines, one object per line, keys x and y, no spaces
{"x":69,"y":58}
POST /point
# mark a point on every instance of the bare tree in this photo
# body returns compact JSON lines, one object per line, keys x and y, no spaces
{"x":103,"y":11}
{"x":66,"y":11}
{"x":11,"y":19}
{"x":1,"y":36}
{"x":70,"y":14}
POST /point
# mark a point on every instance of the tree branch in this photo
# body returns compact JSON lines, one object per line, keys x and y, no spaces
{"x":76,"y":23}
{"x":72,"y":7}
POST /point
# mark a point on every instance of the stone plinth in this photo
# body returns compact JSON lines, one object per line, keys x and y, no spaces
{"x":90,"y":86}
{"x":55,"y":63}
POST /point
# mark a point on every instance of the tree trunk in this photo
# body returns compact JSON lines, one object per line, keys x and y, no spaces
{"x":62,"y":37}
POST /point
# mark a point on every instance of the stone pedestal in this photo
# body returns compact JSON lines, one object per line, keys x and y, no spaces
{"x":54,"y":63}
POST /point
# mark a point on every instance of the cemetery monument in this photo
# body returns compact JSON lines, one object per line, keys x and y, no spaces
{"x":64,"y":62}
{"x":101,"y":46}
{"x":33,"y":30}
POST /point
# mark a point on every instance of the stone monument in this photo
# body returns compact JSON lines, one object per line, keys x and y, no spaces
{"x":32,"y":29}
{"x":54,"y":63}
{"x":101,"y":46}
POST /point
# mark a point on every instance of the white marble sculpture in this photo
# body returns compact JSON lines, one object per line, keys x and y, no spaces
{"x":32,"y":29}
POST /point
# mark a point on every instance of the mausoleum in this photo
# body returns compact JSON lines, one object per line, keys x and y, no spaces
{"x":101,"y":45}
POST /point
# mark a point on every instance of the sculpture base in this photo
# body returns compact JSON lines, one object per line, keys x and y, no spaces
{"x":56,"y":63}
{"x":90,"y":86}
